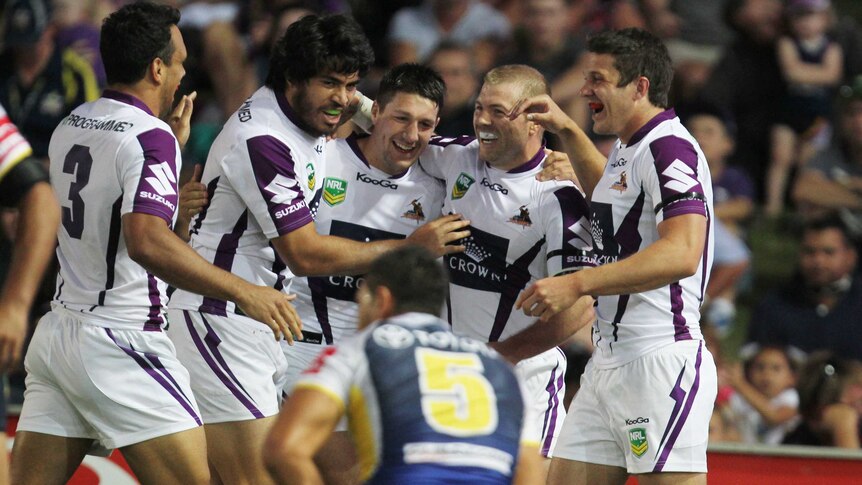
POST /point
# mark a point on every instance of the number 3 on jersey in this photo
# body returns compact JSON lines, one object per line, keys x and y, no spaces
{"x":78,"y":162}
{"x":457,"y":399}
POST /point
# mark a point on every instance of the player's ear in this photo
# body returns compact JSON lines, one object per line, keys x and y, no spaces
{"x":641,"y":88}
{"x":375,"y":112}
{"x":157,"y":69}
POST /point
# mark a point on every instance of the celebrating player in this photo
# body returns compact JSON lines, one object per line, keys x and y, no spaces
{"x":423,"y":405}
{"x":647,"y":394}
{"x":100,"y":371}
{"x":265,"y":177}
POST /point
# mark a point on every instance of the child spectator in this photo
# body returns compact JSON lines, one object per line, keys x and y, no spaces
{"x":765,"y":403}
{"x":812,"y":65}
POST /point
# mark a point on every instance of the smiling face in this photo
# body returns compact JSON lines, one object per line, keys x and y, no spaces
{"x":613,"y":107}
{"x":503,"y":143}
{"x":401,"y":132}
{"x":320,"y":101}
{"x":173,"y":72}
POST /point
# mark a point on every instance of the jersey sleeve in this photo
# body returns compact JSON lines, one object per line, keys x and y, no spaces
{"x":439,"y":154}
{"x":269,"y":186}
{"x":674,"y":180}
{"x":148,"y":174}
{"x":333,"y":371}
{"x":567,"y":230}
{"x":13,"y":146}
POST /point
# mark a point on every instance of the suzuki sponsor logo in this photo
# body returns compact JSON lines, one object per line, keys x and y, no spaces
{"x":158,"y":198}
{"x":681,"y":176}
{"x":284,"y":189}
{"x":163,"y":179}
{"x":386,"y":184}
{"x":289,"y":209}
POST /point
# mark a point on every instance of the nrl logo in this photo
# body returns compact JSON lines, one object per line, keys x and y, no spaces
{"x":638,"y":441}
{"x":622,"y":184}
{"x":311,"y":180}
{"x":523,"y":217}
{"x":334,"y":190}
{"x":462,"y":185}
{"x":415,"y":212}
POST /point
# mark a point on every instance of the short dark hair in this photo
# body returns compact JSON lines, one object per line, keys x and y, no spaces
{"x":133,"y":36}
{"x":315,"y":45}
{"x":417,"y":281}
{"x":637,"y":53}
{"x":411,"y":79}
{"x":831,"y":221}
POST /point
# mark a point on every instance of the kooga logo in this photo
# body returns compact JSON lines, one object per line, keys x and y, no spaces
{"x":382,"y":183}
{"x":630,"y":422}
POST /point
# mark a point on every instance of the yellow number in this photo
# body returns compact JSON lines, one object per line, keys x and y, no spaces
{"x":457,"y":399}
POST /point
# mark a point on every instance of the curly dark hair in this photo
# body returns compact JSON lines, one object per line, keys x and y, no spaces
{"x":133,"y":36}
{"x":315,"y":45}
{"x":637,"y":53}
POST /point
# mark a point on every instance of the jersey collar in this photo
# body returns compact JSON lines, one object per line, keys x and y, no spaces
{"x":530,"y":164}
{"x":665,"y":115}
{"x":126,"y":98}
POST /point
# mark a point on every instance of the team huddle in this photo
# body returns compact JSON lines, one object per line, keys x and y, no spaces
{"x":381,"y":308}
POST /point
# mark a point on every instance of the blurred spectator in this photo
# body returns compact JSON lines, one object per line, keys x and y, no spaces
{"x":415,"y":31}
{"x":811,"y":64}
{"x":820,"y":307}
{"x":733,"y":194}
{"x":747,"y":81}
{"x":695,"y":35}
{"x":830,"y":402}
{"x":832,"y":180}
{"x":455,"y":64}
{"x":78,"y":23}
{"x":765,"y":402}
{"x":39,"y":82}
{"x":599,"y":15}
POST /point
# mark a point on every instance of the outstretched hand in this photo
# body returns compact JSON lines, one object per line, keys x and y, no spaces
{"x":274,"y":309}
{"x":436,"y":235}
{"x":557,"y":166}
{"x":544,"y":111}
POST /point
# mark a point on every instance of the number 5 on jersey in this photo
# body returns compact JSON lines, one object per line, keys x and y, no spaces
{"x":457,"y":399}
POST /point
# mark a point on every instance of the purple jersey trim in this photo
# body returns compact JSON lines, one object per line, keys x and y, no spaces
{"x":114,"y":233}
{"x":573,"y":208}
{"x":154,"y":320}
{"x":208,"y":348}
{"x":680,"y":328}
{"x":154,"y":367}
{"x":674,"y":426}
{"x":531,"y":163}
{"x":704,"y":268}
{"x":211,"y":188}
{"x":352,"y":142}
{"x":628,"y":235}
{"x":321,"y":307}
{"x":288,"y":111}
{"x":517,"y":277}
{"x":444,"y":141}
{"x":554,"y":387}
{"x":126,"y":98}
{"x":225,"y":254}
{"x":639,"y":135}
{"x":157,"y":192}
{"x":676,"y":165}
{"x":275,"y":169}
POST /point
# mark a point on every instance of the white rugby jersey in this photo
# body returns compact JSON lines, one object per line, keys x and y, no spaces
{"x":111,"y":157}
{"x":263,"y":177}
{"x":13,"y":146}
{"x":661,"y":173}
{"x":362,"y":203}
{"x":521,"y":230}
{"x":424,"y":405}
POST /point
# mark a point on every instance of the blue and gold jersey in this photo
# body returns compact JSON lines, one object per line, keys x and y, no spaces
{"x":424,"y":405}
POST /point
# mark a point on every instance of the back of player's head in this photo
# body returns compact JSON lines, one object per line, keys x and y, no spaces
{"x":418,"y":283}
{"x":315,"y":45}
{"x":133,"y":36}
{"x":531,"y":81}
{"x":637,"y":53}
{"x":411,"y":79}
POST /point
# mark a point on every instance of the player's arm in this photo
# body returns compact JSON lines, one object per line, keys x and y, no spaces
{"x":303,"y":425}
{"x":674,"y":256}
{"x":25,"y":186}
{"x":152,"y":244}
{"x":530,"y":469}
{"x":542,"y":336}
{"x":588,"y":162}
{"x":308,"y":253}
{"x":795,"y":70}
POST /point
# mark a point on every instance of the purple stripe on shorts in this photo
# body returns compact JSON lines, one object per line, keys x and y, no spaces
{"x":680,"y":329}
{"x":212,"y":341}
{"x":555,"y":383}
{"x":678,"y":394}
{"x":176,"y":392}
{"x":155,"y":320}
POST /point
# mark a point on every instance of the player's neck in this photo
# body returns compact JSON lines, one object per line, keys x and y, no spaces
{"x":639,"y":118}
{"x":373,"y":153}
{"x":147,"y":96}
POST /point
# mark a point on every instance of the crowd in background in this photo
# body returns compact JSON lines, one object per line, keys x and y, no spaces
{"x":771,"y":89}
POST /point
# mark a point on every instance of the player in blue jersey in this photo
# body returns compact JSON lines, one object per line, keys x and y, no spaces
{"x":23,"y":185}
{"x":423,"y":405}
{"x":101,"y":373}
{"x":647,"y":394}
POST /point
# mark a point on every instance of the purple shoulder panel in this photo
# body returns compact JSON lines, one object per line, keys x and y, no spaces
{"x":676,"y":165}
{"x":157,"y":188}
{"x":275,"y":172}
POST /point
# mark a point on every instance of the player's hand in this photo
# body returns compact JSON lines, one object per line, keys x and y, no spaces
{"x":274,"y":309}
{"x":543,"y":111}
{"x":193,"y":196}
{"x":557,"y":166}
{"x":547,"y":297}
{"x":181,"y":117}
{"x":13,"y":329}
{"x":436,"y":235}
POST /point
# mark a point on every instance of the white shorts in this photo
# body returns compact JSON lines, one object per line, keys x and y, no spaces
{"x":650,"y":415}
{"x":117,"y":387}
{"x":299,"y":356}
{"x":543,"y":380}
{"x":236,"y":364}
